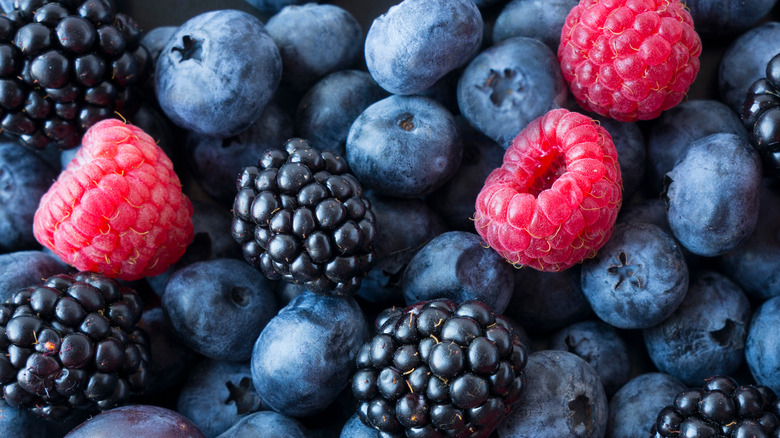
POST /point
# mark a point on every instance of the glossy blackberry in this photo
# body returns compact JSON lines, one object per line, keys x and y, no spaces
{"x":438,"y":369}
{"x":65,"y":65}
{"x":761,"y":116}
{"x":300,"y":216}
{"x":720,"y":408}
{"x":71,"y":343}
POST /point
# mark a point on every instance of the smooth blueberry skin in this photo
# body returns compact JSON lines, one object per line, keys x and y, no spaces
{"x":745,"y":60}
{"x":508,"y":85}
{"x":416,"y":42}
{"x":19,"y":423}
{"x":155,"y":39}
{"x":217,"y":73}
{"x":217,"y":162}
{"x":265,"y":424}
{"x":705,"y":336}
{"x":712,"y":194}
{"x":634,"y":407}
{"x":601,"y":346}
{"x":539,"y":19}
{"x":146,"y":421}
{"x":631,"y":152}
{"x":762,"y":347}
{"x":27,"y":268}
{"x":675,"y":129}
{"x":563,"y":397}
{"x":240,"y":300}
{"x":305,"y":356}
{"x":404,"y":146}
{"x":329,"y":107}
{"x":171,"y":358}
{"x":457,"y":265}
{"x":314,"y":40}
{"x":720,"y":17}
{"x":354,"y":428}
{"x":218,"y":394}
{"x":637,"y":279}
{"x":755,"y":265}
{"x":24,"y":178}
{"x":274,"y":5}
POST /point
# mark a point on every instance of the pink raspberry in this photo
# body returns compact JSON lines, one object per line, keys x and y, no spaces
{"x":118,"y":207}
{"x":554,"y":200}
{"x":629,"y":59}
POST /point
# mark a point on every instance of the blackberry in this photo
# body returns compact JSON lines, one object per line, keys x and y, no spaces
{"x":720,"y":408}
{"x":65,"y":65}
{"x":71,"y":343}
{"x":761,"y":116}
{"x":438,"y":369}
{"x":300,"y":216}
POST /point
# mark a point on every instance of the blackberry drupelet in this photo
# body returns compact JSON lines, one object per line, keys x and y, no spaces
{"x":439,"y":369}
{"x":300,"y":216}
{"x":721,"y":408}
{"x":761,"y":116}
{"x":65,"y":65}
{"x":71,"y":343}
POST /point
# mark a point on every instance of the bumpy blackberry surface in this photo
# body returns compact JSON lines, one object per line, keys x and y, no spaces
{"x":65,"y":65}
{"x":72,"y":343}
{"x":300,"y":216}
{"x":721,"y":408}
{"x":439,"y":369}
{"x":761,"y":116}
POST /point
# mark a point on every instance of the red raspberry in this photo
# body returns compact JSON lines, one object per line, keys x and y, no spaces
{"x":629,"y":59}
{"x":554,"y":200}
{"x":118,"y":207}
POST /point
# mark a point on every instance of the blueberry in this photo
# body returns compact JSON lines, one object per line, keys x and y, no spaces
{"x":417,"y":42}
{"x":508,"y":85}
{"x":274,"y":5}
{"x":314,"y":40}
{"x":19,"y":423}
{"x":26,"y":268}
{"x":745,"y":60}
{"x":712,"y":194}
{"x":404,"y":146}
{"x":631,"y":151}
{"x":265,"y":424}
{"x":217,"y":73}
{"x":456,"y":265}
{"x":354,"y":428}
{"x":563,"y":397}
{"x":171,"y":358}
{"x":533,"y":19}
{"x":328,"y":109}
{"x":156,"y":38}
{"x":240,"y":302}
{"x":634,"y":407}
{"x":762,"y":346}
{"x":305,"y":356}
{"x":723,"y":17}
{"x":138,"y":421}
{"x":705,"y":336}
{"x":637,"y":278}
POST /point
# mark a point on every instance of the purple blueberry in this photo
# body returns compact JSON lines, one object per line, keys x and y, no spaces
{"x":542,"y":20}
{"x":20,"y":423}
{"x":171,"y":358}
{"x":634,"y":407}
{"x":137,"y":421}
{"x":26,"y":268}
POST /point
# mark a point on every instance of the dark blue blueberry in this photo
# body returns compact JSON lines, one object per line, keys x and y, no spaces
{"x":563,"y":397}
{"x":274,"y":5}
{"x":24,"y":178}
{"x":217,"y":394}
{"x":354,"y":428}
{"x":240,"y":301}
{"x":745,"y":60}
{"x":171,"y":358}
{"x":712,"y":194}
{"x":459,"y":266}
{"x":718,"y":18}
{"x":138,"y":420}
{"x":217,"y":73}
{"x":547,"y":301}
{"x":328,"y":109}
{"x":680,"y":126}
{"x":404,"y":146}
{"x":305,"y":356}
{"x":265,"y":424}
{"x":634,"y":407}
{"x":156,"y":38}
{"x":755,"y":265}
{"x":601,"y":346}
{"x":630,"y":145}
{"x":217,"y":162}
{"x":417,"y":42}
{"x":533,"y":19}
{"x":705,"y":336}
{"x":314,"y":40}
{"x":20,"y":423}
{"x":27,"y":268}
{"x":508,"y":85}
{"x":762,"y":346}
{"x":637,"y":279}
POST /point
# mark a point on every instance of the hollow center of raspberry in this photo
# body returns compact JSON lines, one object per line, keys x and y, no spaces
{"x":548,"y":169}
{"x":190,"y":49}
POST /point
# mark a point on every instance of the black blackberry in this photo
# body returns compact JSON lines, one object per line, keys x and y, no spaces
{"x":71,"y":343}
{"x":439,"y":369}
{"x":65,"y":65}
{"x":720,"y":409}
{"x":761,"y":116}
{"x":300,"y":216}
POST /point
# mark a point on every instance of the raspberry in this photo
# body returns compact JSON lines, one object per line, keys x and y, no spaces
{"x":117,"y":208}
{"x":555,"y":199}
{"x":629,"y":59}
